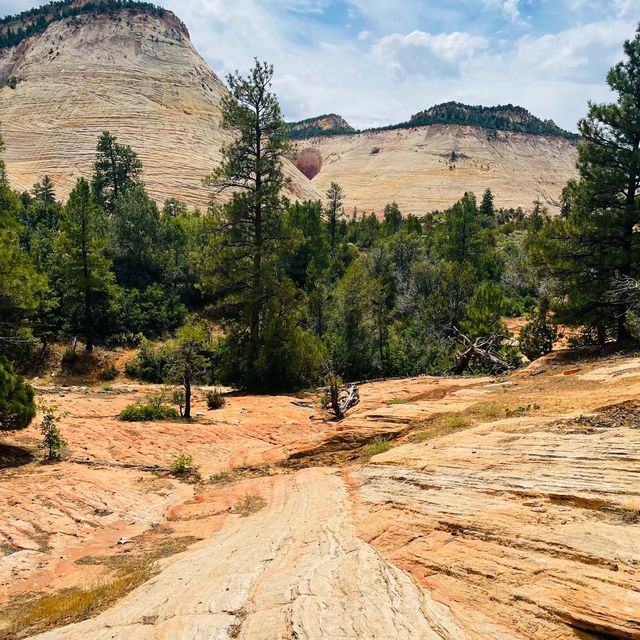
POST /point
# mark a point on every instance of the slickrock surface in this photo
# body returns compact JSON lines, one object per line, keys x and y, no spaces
{"x":294,"y":570}
{"x":508,"y":509}
{"x":414,"y":167}
{"x":134,"y":74}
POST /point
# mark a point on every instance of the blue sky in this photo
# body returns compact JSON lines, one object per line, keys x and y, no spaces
{"x":378,"y":61}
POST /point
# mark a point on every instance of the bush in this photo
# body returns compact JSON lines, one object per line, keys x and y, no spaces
{"x":149,"y":364}
{"x":110,"y":372}
{"x":69,"y":358}
{"x":182,"y":465}
{"x":215,"y":399}
{"x":148,"y":412}
{"x":17,"y":406}
{"x":538,"y":335}
{"x":13,"y":82}
{"x":376,"y":446}
{"x":52,"y":441}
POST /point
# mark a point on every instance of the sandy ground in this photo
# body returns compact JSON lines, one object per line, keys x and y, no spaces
{"x":499,"y":512}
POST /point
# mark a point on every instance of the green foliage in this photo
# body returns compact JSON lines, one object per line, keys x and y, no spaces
{"x":13,"y":82}
{"x":249,"y":232}
{"x":499,"y":118}
{"x":290,"y":357}
{"x":484,"y":312}
{"x":182,"y":465}
{"x":52,"y":439}
{"x":110,"y":372}
{"x":594,"y":243}
{"x":149,"y":364}
{"x":376,"y":446}
{"x":335,"y":213}
{"x":83,"y":272}
{"x":189,"y":358}
{"x":215,"y":399}
{"x":468,"y":237}
{"x":538,"y":336}
{"x":116,"y":169}
{"x":17,"y":406}
{"x":37,"y":20}
{"x":135,"y":234}
{"x":149,"y":411}
{"x":309,"y":128}
{"x":22,"y":288}
{"x":69,"y":358}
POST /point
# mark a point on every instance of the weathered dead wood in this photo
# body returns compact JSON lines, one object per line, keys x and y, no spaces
{"x":483,"y":349}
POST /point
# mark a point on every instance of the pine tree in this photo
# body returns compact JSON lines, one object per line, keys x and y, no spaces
{"x":248,"y":232}
{"x":467,"y":237}
{"x":84,"y":271}
{"x":17,"y":406}
{"x":21,"y":287}
{"x":593,"y":243}
{"x":335,"y":213}
{"x":486,"y":205}
{"x":117,"y":167}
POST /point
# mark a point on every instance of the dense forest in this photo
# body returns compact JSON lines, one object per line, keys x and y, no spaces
{"x":35,"y":21}
{"x":500,"y":118}
{"x":264,"y":294}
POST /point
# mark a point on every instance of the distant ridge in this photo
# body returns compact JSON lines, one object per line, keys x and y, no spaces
{"x":499,"y":118}
{"x":327,"y":124}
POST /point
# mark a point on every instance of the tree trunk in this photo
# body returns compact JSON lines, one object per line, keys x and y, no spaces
{"x":187,"y":398}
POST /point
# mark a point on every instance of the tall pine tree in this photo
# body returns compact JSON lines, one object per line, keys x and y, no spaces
{"x":84,"y":271}
{"x":248,"y":231}
{"x":593,"y":244}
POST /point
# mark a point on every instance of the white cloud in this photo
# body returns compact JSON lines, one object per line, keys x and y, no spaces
{"x":412,"y":56}
{"x":424,"y":54}
{"x":508,"y":8}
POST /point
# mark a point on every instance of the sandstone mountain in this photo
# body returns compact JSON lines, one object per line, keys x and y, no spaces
{"x":428,"y":162}
{"x":69,"y":72}
{"x":130,"y":70}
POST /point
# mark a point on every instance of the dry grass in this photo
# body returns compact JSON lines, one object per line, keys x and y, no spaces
{"x":251,"y":503}
{"x":42,"y":612}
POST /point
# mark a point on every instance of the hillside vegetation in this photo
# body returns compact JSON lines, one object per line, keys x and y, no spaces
{"x":499,"y":118}
{"x":16,"y":28}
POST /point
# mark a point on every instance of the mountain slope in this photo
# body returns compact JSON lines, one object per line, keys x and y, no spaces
{"x":429,"y":167}
{"x":131,"y":71}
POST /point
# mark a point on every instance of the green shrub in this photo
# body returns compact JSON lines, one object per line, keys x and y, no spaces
{"x":110,"y":372}
{"x":69,"y":358}
{"x":149,"y":364}
{"x":215,"y":399}
{"x":538,"y":335}
{"x":182,"y":465}
{"x":52,"y":440}
{"x":376,"y":446}
{"x":148,"y":412}
{"x":17,"y":406}
{"x":13,"y":82}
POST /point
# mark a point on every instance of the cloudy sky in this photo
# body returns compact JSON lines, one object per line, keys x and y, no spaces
{"x":379,"y":61}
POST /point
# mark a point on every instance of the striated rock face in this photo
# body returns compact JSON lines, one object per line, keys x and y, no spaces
{"x":132,"y":73}
{"x":416,"y":168}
